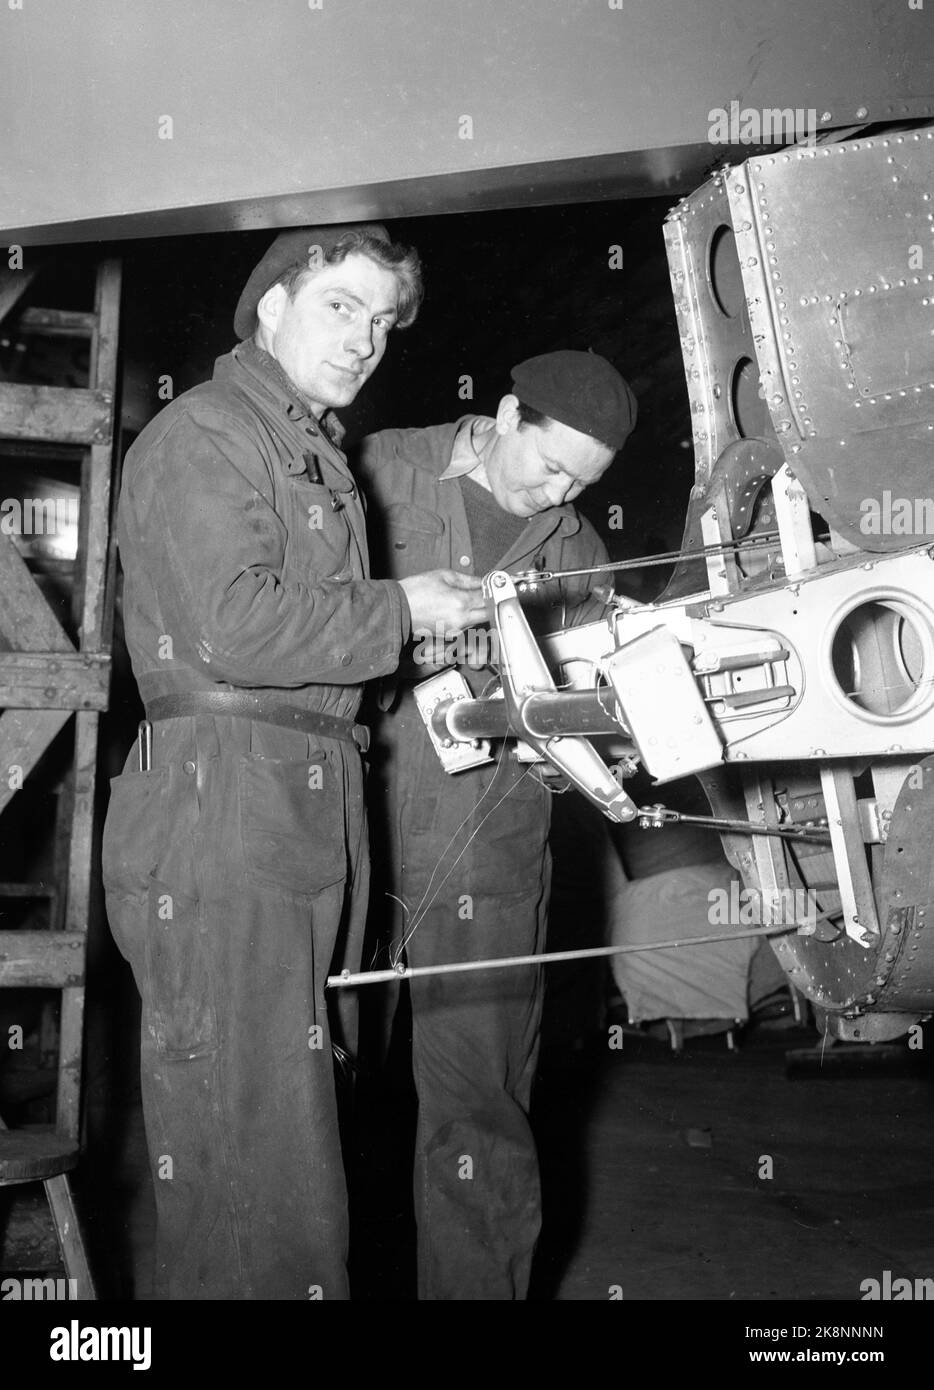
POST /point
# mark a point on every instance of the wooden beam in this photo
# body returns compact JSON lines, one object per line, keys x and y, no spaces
{"x":77,"y":910}
{"x":57,"y":414}
{"x":54,"y":680}
{"x":34,"y":1155}
{"x":68,"y":1230}
{"x":27,"y":890}
{"x":26,"y":620}
{"x":41,"y":959}
{"x":57,"y":323}
{"x":97,"y":536}
{"x":71,"y":1027}
{"x":24,"y":737}
{"x":13,"y":285}
{"x":77,"y":897}
{"x":39,"y":452}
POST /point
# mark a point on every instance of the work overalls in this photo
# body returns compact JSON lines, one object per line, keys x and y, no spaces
{"x":235,"y":865}
{"x":467,"y":855}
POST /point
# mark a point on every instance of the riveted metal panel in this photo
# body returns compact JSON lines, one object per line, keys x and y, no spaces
{"x":836,"y":249}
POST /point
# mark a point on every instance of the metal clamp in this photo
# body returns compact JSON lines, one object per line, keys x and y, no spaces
{"x":524,"y":673}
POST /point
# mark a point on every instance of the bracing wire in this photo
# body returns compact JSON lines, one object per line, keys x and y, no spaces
{"x":423,"y":906}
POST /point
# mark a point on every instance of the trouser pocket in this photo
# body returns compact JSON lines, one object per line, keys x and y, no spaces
{"x":179,"y":994}
{"x":151,"y":865}
{"x":292,"y":831}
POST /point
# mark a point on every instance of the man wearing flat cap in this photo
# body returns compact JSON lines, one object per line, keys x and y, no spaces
{"x":235,"y":857}
{"x":465,"y":855}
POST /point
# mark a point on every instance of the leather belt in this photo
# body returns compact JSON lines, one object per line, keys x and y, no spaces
{"x":240,"y":705}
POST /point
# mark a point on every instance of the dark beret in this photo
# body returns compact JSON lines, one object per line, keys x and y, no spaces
{"x":582,"y":390}
{"x":289,"y":250}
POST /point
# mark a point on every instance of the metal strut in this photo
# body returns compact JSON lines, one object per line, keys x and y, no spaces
{"x":405,"y":972}
{"x":654,"y":817}
{"x":761,"y":541}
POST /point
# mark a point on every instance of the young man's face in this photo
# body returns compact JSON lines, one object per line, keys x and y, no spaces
{"x":331,"y":337}
{"x":533,"y":467}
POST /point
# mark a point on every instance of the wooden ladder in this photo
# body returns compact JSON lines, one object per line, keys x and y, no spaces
{"x":47,"y":680}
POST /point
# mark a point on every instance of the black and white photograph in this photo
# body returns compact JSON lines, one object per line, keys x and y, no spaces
{"x":467,"y":672}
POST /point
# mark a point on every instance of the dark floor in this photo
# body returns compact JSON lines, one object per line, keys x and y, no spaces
{"x":652,"y":1164}
{"x":651,"y":1169}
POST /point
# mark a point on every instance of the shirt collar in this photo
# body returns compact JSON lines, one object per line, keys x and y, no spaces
{"x":469,"y":435}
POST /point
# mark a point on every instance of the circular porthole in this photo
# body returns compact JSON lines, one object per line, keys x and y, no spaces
{"x":882,"y":658}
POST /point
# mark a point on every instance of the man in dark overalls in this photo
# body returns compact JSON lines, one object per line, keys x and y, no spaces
{"x":235,"y":856}
{"x":467,"y":854}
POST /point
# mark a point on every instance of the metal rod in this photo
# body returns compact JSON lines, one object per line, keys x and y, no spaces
{"x":670,"y":557}
{"x":571,"y":712}
{"x":742,"y":827}
{"x":407,"y":972}
{"x":763,"y":540}
{"x":469,"y":719}
{"x":742,"y":699}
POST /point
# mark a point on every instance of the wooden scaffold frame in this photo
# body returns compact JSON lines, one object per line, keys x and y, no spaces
{"x":46,"y":680}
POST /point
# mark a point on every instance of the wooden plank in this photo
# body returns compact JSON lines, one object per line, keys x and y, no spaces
{"x":68,"y":1230}
{"x":61,"y":849}
{"x":80,"y":804}
{"x":34,"y":1155}
{"x":77,"y":911}
{"x":94,"y":539}
{"x":79,"y":867}
{"x":40,"y":452}
{"x":68,"y":1094}
{"x":57,"y":323}
{"x":48,"y":1034}
{"x":26,"y":620}
{"x":27,"y":890}
{"x":103,"y":364}
{"x":41,"y":959}
{"x":57,"y":414}
{"x":106,"y":637}
{"x":54,"y":680}
{"x":13,"y":285}
{"x":95,"y":593}
{"x":24,"y":737}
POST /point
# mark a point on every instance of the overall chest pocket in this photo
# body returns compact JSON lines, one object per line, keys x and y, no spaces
{"x":319,"y":541}
{"x":413,"y":540}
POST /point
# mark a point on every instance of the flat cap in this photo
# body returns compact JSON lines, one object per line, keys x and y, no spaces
{"x":582,"y":390}
{"x":289,"y":250}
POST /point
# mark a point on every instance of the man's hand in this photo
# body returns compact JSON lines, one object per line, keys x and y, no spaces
{"x":444,"y":601}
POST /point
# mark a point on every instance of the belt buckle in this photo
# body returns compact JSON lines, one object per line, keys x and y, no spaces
{"x":361,"y":737}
